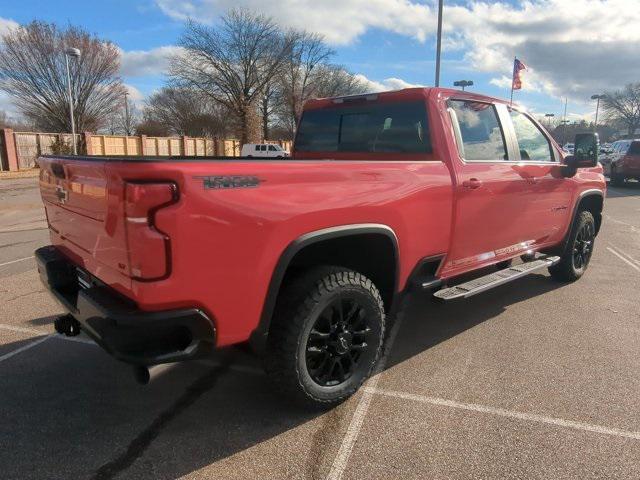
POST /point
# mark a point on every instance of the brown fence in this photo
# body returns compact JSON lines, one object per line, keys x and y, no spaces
{"x":19,"y":150}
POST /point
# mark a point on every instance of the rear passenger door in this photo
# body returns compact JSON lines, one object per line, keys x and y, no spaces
{"x":496,"y":208}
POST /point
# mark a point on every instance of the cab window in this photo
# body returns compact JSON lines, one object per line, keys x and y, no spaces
{"x":533,"y":144}
{"x":478,"y":131}
{"x":384,"y":127}
{"x":272,"y":148}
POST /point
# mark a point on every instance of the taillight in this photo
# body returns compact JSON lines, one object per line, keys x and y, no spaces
{"x":148,"y":247}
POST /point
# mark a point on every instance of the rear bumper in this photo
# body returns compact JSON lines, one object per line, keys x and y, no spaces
{"x":116,"y":324}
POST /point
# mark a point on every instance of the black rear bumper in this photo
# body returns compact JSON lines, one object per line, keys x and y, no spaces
{"x":116,"y":324}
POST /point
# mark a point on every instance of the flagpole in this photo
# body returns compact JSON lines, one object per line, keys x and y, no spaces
{"x":513,"y":75}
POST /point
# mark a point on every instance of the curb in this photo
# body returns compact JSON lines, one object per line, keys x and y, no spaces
{"x":32,"y":173}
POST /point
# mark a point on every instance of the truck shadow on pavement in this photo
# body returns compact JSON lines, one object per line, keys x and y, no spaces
{"x":629,"y":189}
{"x":70,"y":411}
{"x":426,"y":321}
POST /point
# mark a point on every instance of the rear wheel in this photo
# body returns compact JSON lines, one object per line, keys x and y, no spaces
{"x":575,"y":259}
{"x":617,"y":179}
{"x":326,"y":336}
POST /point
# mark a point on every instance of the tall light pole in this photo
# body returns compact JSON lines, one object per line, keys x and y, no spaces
{"x":439,"y":42}
{"x":597,"y":98}
{"x":127,"y":125}
{"x":75,"y":53}
{"x":463,"y":83}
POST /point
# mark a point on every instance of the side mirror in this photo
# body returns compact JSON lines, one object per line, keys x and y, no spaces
{"x":585,"y":154}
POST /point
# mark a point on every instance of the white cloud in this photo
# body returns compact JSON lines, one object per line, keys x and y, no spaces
{"x":340,"y":21}
{"x":385,"y":85}
{"x":6,"y":104}
{"x":7,"y":24}
{"x":137,"y":63}
{"x":573,"y":48}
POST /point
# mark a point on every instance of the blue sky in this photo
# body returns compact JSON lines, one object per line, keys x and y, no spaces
{"x":391,"y":42}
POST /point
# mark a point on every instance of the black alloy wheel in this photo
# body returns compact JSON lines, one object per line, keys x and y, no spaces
{"x":583,"y":246}
{"x":337,"y":341}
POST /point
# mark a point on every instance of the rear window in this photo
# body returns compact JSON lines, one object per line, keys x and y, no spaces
{"x":378,"y":127}
{"x":634,"y":149}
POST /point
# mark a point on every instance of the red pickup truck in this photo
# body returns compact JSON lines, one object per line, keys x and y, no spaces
{"x":307,"y":258}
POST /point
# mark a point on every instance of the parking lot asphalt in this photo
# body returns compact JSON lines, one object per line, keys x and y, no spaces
{"x":535,"y":379}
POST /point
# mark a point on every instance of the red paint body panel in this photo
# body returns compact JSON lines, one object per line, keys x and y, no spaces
{"x":629,"y":165}
{"x":224,"y":244}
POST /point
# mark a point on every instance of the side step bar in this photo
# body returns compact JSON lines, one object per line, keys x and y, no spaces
{"x":482,"y":284}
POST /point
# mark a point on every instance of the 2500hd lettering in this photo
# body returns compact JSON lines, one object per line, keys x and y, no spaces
{"x":307,"y":258}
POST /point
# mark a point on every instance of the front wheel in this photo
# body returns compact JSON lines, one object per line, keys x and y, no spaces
{"x":575,"y":259}
{"x":326,"y":336}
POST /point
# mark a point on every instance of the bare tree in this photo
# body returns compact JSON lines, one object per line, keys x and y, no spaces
{"x":623,"y":107}
{"x":124,"y":120}
{"x":300,"y":76}
{"x":33,"y":72}
{"x":328,"y":81}
{"x":187,"y":112}
{"x":336,"y":80}
{"x":128,"y":115}
{"x":271,"y":101}
{"x":4,"y":120}
{"x":152,"y":128}
{"x":232,"y":63}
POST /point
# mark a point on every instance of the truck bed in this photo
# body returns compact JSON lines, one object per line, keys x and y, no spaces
{"x":230,"y":223}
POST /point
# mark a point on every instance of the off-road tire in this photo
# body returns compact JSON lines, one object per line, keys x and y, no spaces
{"x":300,"y":306}
{"x":569,"y":269}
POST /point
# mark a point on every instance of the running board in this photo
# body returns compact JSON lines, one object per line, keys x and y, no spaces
{"x":482,"y":284}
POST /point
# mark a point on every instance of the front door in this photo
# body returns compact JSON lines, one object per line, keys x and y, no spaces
{"x":549,"y":208}
{"x":496,"y":208}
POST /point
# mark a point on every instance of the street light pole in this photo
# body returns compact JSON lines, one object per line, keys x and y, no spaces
{"x":127,"y":125}
{"x":597,"y":98}
{"x":71,"y":52}
{"x":439,"y":42}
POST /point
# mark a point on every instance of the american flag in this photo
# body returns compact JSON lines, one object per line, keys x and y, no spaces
{"x":518,"y":67}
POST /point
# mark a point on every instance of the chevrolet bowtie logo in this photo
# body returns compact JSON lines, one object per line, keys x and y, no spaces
{"x":62,"y":194}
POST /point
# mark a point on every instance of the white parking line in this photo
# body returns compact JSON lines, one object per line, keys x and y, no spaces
{"x":620,"y":222}
{"x":531,"y":417}
{"x":23,"y":348}
{"x":349,"y":440}
{"x":13,"y":328}
{"x":628,"y":262}
{"x":16,"y":261}
{"x":625,"y":254}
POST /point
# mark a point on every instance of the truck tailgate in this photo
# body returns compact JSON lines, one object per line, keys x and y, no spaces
{"x":85,"y":213}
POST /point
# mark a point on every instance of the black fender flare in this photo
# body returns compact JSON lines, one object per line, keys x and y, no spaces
{"x":594,"y":192}
{"x":259,"y":335}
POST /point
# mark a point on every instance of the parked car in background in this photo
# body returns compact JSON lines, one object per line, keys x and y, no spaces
{"x":623,"y":162}
{"x":269,"y":150}
{"x":568,"y":147}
